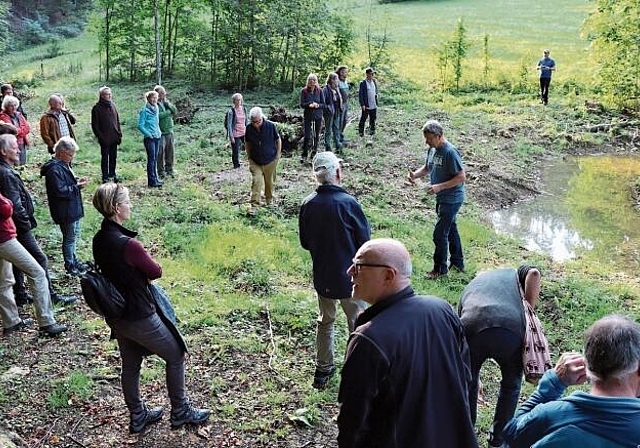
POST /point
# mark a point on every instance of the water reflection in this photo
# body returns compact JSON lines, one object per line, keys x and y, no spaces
{"x":586,"y":207}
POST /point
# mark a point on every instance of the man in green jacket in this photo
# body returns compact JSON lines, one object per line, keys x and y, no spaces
{"x":166,"y":112}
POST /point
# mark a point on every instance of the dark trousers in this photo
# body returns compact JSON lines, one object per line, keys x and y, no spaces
{"x":308,"y":122}
{"x":544,"y":89}
{"x":235,"y":151}
{"x":31,"y":244}
{"x":372,"y":114}
{"x":447,"y":239}
{"x":505,"y":347}
{"x":109,"y":155}
{"x":152,"y":145}
{"x":136,"y":339}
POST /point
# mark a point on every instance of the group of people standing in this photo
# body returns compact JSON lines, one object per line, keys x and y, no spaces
{"x":411,"y":373}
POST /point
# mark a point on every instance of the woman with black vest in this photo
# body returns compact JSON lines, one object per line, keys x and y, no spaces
{"x":146,"y":326}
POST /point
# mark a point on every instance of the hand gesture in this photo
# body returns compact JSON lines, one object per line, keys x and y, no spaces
{"x":572,"y":369}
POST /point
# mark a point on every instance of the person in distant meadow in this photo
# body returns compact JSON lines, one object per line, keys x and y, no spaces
{"x":368,"y":98}
{"x":167,"y":142}
{"x":546,"y":66}
{"x":56,"y":122}
{"x":237,"y":120}
{"x":105,"y":124}
{"x":149,"y":126}
{"x":447,"y":175}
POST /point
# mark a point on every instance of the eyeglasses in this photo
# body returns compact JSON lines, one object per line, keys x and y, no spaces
{"x":357,"y":267}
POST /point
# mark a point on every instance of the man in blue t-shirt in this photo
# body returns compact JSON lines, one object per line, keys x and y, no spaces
{"x":546,"y":65}
{"x":447,"y":176}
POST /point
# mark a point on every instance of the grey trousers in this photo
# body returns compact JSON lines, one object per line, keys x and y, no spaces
{"x":136,"y":339}
{"x":325,"y":333}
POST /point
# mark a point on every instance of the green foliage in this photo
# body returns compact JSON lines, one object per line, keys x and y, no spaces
{"x":451,"y":54}
{"x":76,"y":387}
{"x":247,"y":43}
{"x":613,"y":27}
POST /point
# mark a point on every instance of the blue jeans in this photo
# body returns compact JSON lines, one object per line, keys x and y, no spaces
{"x":446,"y":238}
{"x":332,"y":131}
{"x":70,"y":235}
{"x":505,"y":347}
{"x":235,"y":151}
{"x":152,"y":145}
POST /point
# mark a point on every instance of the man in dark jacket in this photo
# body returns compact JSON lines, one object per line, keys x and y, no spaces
{"x":405,"y":377}
{"x":332,"y":227}
{"x":12,"y":187}
{"x":65,"y":200}
{"x":264,"y":147}
{"x":368,"y":98}
{"x":105,"y":124}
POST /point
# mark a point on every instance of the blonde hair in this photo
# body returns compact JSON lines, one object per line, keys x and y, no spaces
{"x":108,"y":196}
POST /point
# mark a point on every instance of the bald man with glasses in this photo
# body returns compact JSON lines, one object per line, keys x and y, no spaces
{"x":406,"y":373}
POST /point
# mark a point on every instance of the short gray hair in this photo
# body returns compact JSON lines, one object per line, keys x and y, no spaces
{"x":432,"y":127}
{"x":256,"y":112}
{"x":312,"y":76}
{"x":10,"y":100}
{"x":65,"y":144}
{"x":612,"y":347}
{"x":6,"y":141}
{"x":236,"y":96}
{"x":103,"y":89}
{"x":327,"y":176}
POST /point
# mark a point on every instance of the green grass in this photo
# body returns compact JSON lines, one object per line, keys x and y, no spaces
{"x":241,"y":286}
{"x":518,"y":31}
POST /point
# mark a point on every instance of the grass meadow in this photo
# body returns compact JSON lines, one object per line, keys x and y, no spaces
{"x":242,"y":286}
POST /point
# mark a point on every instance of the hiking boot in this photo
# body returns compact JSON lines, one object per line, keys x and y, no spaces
{"x":57,"y":299}
{"x":320,"y":379}
{"x":140,"y":420}
{"x":53,"y":330}
{"x":188,"y":414}
{"x":24,"y":323}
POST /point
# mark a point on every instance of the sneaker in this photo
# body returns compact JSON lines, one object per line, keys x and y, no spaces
{"x":24,"y":323}
{"x":320,"y":379}
{"x":53,"y":330}
{"x":432,"y":275}
{"x":57,"y":299}
{"x":188,"y":414}
{"x":140,"y":420}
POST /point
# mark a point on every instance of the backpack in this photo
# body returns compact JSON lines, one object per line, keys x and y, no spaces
{"x":100,"y":294}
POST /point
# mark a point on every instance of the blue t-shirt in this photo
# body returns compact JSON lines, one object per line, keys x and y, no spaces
{"x":443,"y":164}
{"x":546,"y":62}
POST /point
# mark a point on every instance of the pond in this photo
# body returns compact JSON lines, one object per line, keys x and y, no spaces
{"x":586,"y":210}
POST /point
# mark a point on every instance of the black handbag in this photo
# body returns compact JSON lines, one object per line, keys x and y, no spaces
{"x":100,"y":294}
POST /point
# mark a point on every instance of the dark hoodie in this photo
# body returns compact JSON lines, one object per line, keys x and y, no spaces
{"x":63,"y":192}
{"x":577,"y":421}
